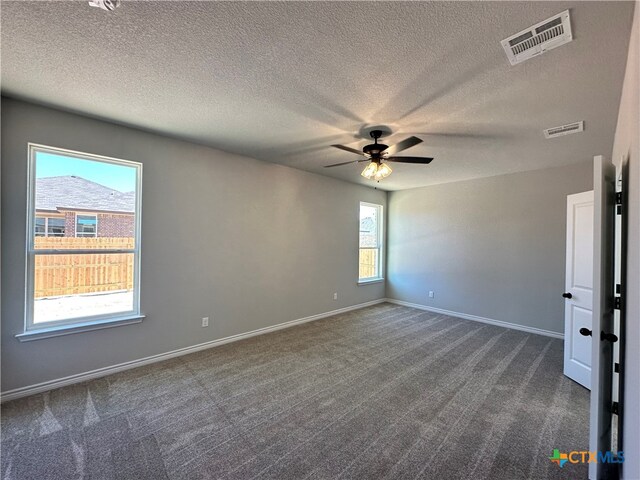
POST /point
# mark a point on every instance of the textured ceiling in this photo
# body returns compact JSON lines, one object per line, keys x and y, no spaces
{"x":282,"y":81}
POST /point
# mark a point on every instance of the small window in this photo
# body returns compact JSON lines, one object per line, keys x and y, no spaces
{"x":77,"y":271}
{"x":41,"y":227}
{"x":86,"y":226}
{"x":371,"y":235}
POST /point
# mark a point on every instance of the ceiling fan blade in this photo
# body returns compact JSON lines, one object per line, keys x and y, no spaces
{"x":417,"y":160}
{"x":403,"y":145}
{"x":346,"y":163}
{"x":348,"y":149}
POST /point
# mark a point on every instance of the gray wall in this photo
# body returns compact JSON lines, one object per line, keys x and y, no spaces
{"x":248,"y":243}
{"x":626,"y":148}
{"x":492,"y":247}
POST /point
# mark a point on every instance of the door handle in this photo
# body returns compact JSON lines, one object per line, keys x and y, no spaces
{"x":585,"y":332}
{"x":567,"y":295}
{"x":608,"y":336}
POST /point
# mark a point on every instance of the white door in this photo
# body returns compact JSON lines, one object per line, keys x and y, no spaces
{"x":579,"y":288}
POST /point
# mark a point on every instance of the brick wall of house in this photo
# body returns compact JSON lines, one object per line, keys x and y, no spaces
{"x":113,"y":225}
{"x":69,"y":224}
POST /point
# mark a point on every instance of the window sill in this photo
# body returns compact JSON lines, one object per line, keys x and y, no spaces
{"x":368,"y":282}
{"x":59,"y":330}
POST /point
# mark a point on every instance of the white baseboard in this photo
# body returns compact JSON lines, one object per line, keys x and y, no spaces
{"x":476,"y":318}
{"x":101,"y":372}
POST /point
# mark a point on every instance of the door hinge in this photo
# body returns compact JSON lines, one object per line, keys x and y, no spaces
{"x":617,"y":303}
{"x":615,"y":408}
{"x":616,"y":367}
{"x":619,"y":203}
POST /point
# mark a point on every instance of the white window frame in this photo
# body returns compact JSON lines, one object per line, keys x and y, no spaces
{"x":380,"y":242}
{"x":76,"y":215}
{"x":33,"y":330}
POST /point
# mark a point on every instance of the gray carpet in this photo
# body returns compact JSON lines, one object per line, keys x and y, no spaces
{"x":383,"y":392}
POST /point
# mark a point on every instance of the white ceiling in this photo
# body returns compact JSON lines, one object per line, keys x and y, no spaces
{"x":281,"y":81}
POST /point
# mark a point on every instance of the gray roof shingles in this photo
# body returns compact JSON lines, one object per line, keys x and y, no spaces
{"x":76,"y":193}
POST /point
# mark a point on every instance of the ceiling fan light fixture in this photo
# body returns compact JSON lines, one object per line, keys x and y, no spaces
{"x":383,"y":171}
{"x":370,"y":170}
{"x":377,"y":154}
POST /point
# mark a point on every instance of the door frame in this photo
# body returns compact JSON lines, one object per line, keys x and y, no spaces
{"x":600,"y":417}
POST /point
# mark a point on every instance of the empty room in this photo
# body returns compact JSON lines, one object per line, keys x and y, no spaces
{"x":320,"y":240}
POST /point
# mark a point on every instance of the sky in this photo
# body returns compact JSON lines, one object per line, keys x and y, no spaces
{"x":118,"y":177}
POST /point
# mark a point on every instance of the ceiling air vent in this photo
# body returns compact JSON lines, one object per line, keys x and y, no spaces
{"x":543,"y":36}
{"x":564,"y":130}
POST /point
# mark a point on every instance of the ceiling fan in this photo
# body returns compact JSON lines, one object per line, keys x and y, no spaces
{"x":377,"y":154}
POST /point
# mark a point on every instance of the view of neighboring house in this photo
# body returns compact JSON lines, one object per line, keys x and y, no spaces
{"x":72,"y":206}
{"x":368,"y":232}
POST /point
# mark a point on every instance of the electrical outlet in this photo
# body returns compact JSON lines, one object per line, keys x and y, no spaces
{"x":431,"y":294}
{"x":335,"y":296}
{"x":205,"y":321}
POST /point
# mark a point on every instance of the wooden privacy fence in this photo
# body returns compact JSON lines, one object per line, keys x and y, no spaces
{"x":72,"y":274}
{"x":83,"y":243}
{"x":367,"y":262}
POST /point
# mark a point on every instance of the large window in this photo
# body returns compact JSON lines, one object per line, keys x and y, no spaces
{"x":80,"y":273}
{"x":49,"y":227}
{"x":371,"y":248}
